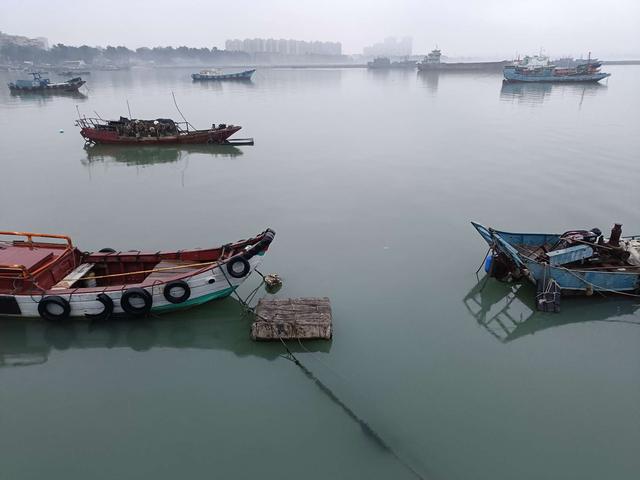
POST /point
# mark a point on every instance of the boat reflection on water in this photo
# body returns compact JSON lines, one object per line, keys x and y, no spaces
{"x":47,"y":95}
{"x":215,"y":326}
{"x":507,"y":312}
{"x":150,"y":155}
{"x":533,"y":93}
{"x":430,"y":78}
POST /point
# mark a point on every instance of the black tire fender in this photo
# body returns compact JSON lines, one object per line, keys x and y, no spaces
{"x":234,"y":263}
{"x":177,"y":284}
{"x":136,"y":293}
{"x":61,"y":308}
{"x":106,"y":312}
{"x":107,"y":250}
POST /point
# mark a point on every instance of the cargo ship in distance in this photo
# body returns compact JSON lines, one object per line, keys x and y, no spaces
{"x":432,"y":63}
{"x":386,"y":63}
{"x":538,"y":69}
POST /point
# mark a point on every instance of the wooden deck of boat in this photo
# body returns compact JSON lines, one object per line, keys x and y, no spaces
{"x":531,"y":251}
{"x":168,"y":269}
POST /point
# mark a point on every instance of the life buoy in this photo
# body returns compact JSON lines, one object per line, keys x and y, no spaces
{"x":136,"y":301}
{"x":238,"y":266}
{"x":177,"y":291}
{"x":106,"y":312}
{"x":54,"y":308}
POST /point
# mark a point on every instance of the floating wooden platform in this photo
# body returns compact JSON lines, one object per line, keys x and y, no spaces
{"x":292,"y":318}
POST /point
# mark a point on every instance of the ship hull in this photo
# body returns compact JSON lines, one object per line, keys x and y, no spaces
{"x":52,"y":87}
{"x":462,"y":66}
{"x":246,"y":75}
{"x":109,"y":137}
{"x":512,"y":76}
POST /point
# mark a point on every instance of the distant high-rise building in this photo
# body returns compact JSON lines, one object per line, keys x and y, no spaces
{"x":390,"y":47}
{"x":284,"y":47}
{"x":40,"y":42}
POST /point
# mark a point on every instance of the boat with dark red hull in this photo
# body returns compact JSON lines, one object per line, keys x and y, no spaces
{"x":161,"y":131}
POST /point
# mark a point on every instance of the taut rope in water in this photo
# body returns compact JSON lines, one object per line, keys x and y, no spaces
{"x":366,"y":428}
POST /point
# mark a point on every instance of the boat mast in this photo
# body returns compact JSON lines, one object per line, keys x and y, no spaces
{"x":178,"y":108}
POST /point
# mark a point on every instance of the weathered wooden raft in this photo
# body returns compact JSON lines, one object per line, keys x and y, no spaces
{"x":292,"y":318}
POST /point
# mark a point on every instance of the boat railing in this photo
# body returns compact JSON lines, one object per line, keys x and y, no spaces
{"x":31,"y":235}
{"x":99,"y":123}
{"x":22,"y":271}
{"x":85,"y":122}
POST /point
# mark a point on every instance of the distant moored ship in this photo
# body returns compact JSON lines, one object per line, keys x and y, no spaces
{"x":538,"y":68}
{"x":432,"y":62}
{"x":385,"y":63}
{"x":215,"y":74}
{"x":161,"y":131}
{"x":39,"y":84}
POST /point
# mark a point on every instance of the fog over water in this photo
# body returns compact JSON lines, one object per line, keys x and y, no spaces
{"x":370,"y":179}
{"x":488,"y":28}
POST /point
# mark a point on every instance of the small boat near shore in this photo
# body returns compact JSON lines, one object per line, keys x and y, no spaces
{"x":161,"y":131}
{"x":40,"y":84}
{"x":216,"y":74}
{"x":73,"y":73}
{"x":578,"y":262}
{"x":46,"y":276}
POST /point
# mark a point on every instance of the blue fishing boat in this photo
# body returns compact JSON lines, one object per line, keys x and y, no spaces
{"x":216,"y":74}
{"x":40,"y":84}
{"x":539,"y":69}
{"x":575,"y":262}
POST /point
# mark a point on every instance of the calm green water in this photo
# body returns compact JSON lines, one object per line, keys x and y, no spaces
{"x":370,"y":180}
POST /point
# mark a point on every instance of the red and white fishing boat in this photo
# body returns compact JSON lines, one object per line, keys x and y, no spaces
{"x":161,"y":131}
{"x":45,"y":275}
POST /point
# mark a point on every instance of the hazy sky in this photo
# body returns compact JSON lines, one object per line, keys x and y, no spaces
{"x":488,"y":28}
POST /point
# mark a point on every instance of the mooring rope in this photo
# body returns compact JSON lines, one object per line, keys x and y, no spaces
{"x":366,"y":428}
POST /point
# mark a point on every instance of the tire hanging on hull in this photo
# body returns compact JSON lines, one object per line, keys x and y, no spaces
{"x":180,"y":286}
{"x":107,"y":310}
{"x":136,"y":293}
{"x":54,"y":308}
{"x":238,"y":266}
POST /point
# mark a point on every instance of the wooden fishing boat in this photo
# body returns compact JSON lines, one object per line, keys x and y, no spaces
{"x":215,"y":74}
{"x":47,"y":276}
{"x":161,"y":131}
{"x":576,"y":262}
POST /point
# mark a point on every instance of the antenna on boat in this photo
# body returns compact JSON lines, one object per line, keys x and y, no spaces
{"x":178,"y":108}
{"x":128,"y":108}
{"x":98,"y":115}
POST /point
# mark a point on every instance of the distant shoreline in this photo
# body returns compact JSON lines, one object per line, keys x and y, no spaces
{"x":356,"y":65}
{"x":303,"y":66}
